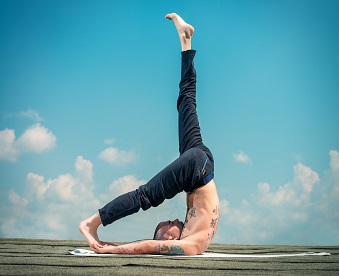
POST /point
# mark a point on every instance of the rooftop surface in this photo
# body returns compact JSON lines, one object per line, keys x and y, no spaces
{"x":41,"y":257}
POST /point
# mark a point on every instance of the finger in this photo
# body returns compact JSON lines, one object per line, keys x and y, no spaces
{"x":95,"y":246}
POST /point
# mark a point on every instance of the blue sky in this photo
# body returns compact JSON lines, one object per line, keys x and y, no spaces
{"x":88,"y":94}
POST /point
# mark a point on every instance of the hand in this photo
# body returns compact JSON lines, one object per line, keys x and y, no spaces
{"x":107,"y":243}
{"x":101,"y":249}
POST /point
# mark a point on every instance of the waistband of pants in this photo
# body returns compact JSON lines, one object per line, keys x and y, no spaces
{"x":204,"y":180}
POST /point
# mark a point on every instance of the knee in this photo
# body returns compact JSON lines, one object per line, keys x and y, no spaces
{"x":143,"y":196}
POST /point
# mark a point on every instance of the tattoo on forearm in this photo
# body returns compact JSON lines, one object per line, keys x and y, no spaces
{"x":176,"y":250}
{"x":156,"y":249}
{"x":160,"y":249}
{"x":164,"y":247}
{"x":122,"y":250}
{"x":192,"y":212}
{"x":213,"y":223}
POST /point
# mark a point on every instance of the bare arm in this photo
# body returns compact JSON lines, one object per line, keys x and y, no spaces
{"x":166,"y":247}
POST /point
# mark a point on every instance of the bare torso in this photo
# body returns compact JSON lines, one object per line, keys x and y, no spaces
{"x":202,"y":215}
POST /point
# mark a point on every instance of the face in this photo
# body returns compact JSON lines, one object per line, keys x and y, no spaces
{"x":169,"y":230}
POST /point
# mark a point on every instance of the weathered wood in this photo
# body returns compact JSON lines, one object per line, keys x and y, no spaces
{"x":41,"y":257}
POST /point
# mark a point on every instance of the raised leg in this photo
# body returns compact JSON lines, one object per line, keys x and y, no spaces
{"x":189,"y":129}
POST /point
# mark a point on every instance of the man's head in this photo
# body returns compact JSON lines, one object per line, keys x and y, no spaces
{"x":168,"y":230}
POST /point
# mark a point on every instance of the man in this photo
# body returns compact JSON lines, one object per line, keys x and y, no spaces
{"x":192,"y":172}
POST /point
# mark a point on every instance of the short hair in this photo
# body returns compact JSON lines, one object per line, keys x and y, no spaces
{"x":156,"y":231}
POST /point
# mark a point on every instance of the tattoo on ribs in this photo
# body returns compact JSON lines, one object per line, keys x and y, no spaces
{"x":192,"y":212}
{"x":213,"y":223}
{"x":210,"y":236}
{"x":176,"y":250}
{"x":216,"y":210}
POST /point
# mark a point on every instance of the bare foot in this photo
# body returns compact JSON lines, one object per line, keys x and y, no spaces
{"x":185,"y":30}
{"x":88,"y":229}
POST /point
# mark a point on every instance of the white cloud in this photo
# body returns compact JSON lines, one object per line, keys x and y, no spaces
{"x":334,"y":155}
{"x":35,"y":139}
{"x":15,"y":199}
{"x":292,"y":193}
{"x":117,"y":157}
{"x":304,"y":176}
{"x":264,"y":188}
{"x":241,"y":157}
{"x":84,"y":169}
{"x":31,"y":114}
{"x":121,"y":186}
{"x":66,"y":187}
{"x":109,"y":141}
{"x":326,"y":204}
{"x":278,"y":214}
{"x":224,"y":207}
{"x":51,"y":208}
{"x":38,"y":186}
{"x":125,"y":184}
{"x":7,"y":149}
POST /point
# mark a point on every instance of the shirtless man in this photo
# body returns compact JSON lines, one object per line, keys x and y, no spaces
{"x":192,"y":172}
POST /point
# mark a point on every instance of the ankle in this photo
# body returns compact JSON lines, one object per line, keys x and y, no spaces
{"x":185,"y":44}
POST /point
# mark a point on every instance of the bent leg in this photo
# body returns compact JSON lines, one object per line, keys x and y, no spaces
{"x":180,"y":175}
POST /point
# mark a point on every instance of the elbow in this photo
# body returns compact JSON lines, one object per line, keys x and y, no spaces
{"x":196,"y":250}
{"x":199,"y":252}
{"x":200,"y":249}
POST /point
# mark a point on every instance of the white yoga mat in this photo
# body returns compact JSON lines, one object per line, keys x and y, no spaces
{"x":89,"y":253}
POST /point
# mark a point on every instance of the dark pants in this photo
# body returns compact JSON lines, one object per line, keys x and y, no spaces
{"x":192,"y":169}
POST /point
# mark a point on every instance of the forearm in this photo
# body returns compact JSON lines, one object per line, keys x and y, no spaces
{"x":173,"y":247}
{"x":142,"y":247}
